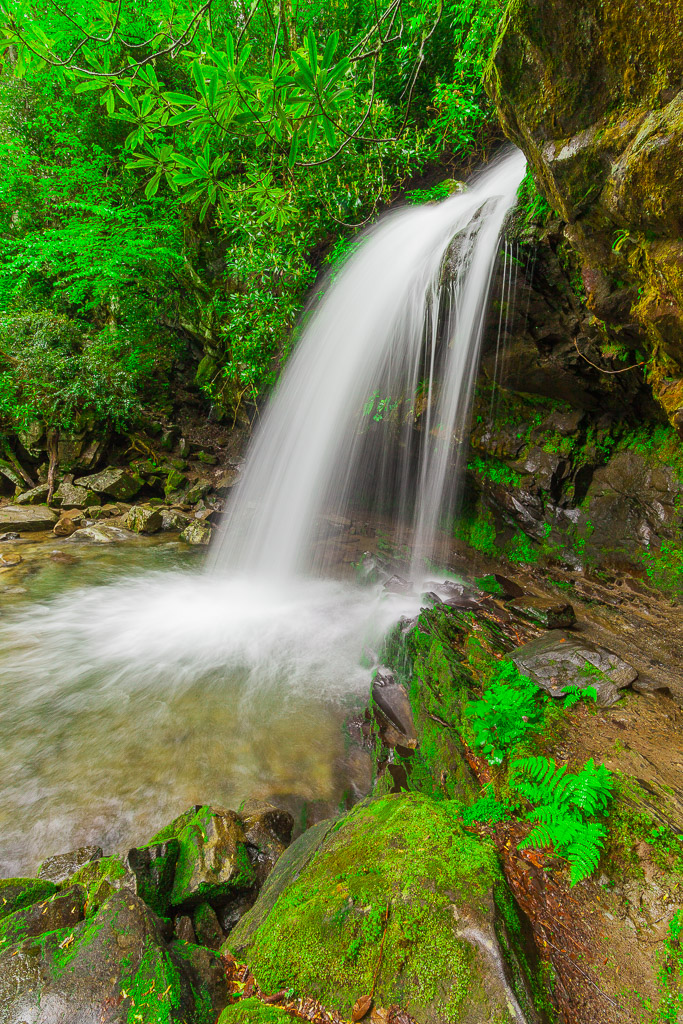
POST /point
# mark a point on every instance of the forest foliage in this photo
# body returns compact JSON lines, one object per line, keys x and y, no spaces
{"x":173,"y":176}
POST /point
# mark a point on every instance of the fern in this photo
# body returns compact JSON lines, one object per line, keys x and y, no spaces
{"x":574,"y":694}
{"x":505,"y":713}
{"x":487,"y":809}
{"x":563,"y":803}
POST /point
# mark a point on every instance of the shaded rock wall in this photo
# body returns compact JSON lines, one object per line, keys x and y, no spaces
{"x":591,"y":92}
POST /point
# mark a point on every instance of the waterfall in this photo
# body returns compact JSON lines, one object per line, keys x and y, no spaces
{"x":374,"y":403}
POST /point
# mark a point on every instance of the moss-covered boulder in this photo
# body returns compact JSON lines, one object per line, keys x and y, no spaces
{"x":101,"y":878}
{"x":61,"y":910}
{"x":592,"y":92}
{"x":253,"y":1011}
{"x":17,"y":893}
{"x":116,"y":965}
{"x":399,"y":892}
{"x":213,"y":861}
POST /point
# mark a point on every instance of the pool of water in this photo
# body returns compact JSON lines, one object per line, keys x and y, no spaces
{"x":133,"y":684}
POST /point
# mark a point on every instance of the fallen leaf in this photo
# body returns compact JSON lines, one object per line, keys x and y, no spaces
{"x":361,"y":1007}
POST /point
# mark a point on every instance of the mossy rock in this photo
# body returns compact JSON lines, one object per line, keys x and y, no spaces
{"x":212,"y":859}
{"x":17,"y":893}
{"x":449,"y":948}
{"x":253,"y":1011}
{"x":154,"y":868}
{"x":100,"y":879}
{"x":61,"y":910}
{"x":117,"y":958}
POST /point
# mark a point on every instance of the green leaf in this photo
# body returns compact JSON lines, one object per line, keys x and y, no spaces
{"x":293,"y":150}
{"x":312,"y":50}
{"x":180,"y":99}
{"x":330,"y":49}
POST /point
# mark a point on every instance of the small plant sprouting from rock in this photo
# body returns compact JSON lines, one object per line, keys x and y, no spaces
{"x":506,"y":712}
{"x":574,"y":694}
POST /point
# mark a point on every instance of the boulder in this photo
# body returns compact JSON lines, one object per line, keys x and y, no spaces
{"x":102,"y":877}
{"x":63,"y":865}
{"x":198,"y":490}
{"x":213,"y":862}
{"x":141,"y":519}
{"x":174,"y":519}
{"x":176,"y":483}
{"x":197,"y":533}
{"x":26,"y":518}
{"x":62,"y":910}
{"x":547,"y":612}
{"x":17,"y":893}
{"x":68,"y":523}
{"x":392,"y":711}
{"x":268,"y":833}
{"x":116,"y":482}
{"x":557,"y":660}
{"x":36,"y":496}
{"x":68,"y":495}
{"x":103,"y":534}
{"x":206,"y":926}
{"x":207,"y":458}
{"x":396,"y":899}
{"x":119,"y":958}
{"x":154,"y":868}
{"x":226,"y":481}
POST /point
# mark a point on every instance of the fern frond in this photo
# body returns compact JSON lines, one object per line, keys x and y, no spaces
{"x":584,"y":852}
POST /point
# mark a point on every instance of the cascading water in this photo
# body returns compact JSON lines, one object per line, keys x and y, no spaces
{"x":388,"y":327}
{"x":124,"y":700}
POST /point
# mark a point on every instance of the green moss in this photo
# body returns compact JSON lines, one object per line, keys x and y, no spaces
{"x":253,"y":1011}
{"x":403,"y":856}
{"x":100,"y":878}
{"x":17,"y":893}
{"x":196,"y":832}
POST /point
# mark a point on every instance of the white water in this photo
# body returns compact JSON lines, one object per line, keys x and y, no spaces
{"x":124,"y":702}
{"x":385,"y":326}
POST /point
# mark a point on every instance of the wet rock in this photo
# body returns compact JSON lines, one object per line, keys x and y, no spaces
{"x":62,"y":910}
{"x":457,"y":595}
{"x":11,"y":558}
{"x":212,"y":861}
{"x":68,"y":495}
{"x":174,"y":519}
{"x":116,"y":482}
{"x":183,"y":929}
{"x":206,"y":926}
{"x":549,"y":613}
{"x":176,"y":483}
{"x":207,"y":458}
{"x":319,"y":899}
{"x":397,"y":585}
{"x":118,"y":959}
{"x":559,"y":659}
{"x":9,"y":536}
{"x":141,"y":519}
{"x":267,"y":832}
{"x":393,"y":712}
{"x":101,"y":878}
{"x":226,"y":481}
{"x":27,"y":518}
{"x":68,"y":523}
{"x":184,"y":447}
{"x":9,"y":472}
{"x":103,"y":534}
{"x":36,"y":496}
{"x":17,"y":893}
{"x":154,"y":868}
{"x":196,"y":533}
{"x":63,"y":865}
{"x":198,"y":490}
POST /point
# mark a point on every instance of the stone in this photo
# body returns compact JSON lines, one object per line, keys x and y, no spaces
{"x":183,"y":929}
{"x":546,"y":612}
{"x":69,"y":495}
{"x":175,"y":482}
{"x":116,"y":482}
{"x":154,"y":868}
{"x":268,"y":833}
{"x":11,"y":558}
{"x":141,"y":519}
{"x":206,"y":926}
{"x":397,"y":585}
{"x":226,"y":481}
{"x":197,"y":491}
{"x":63,"y":865}
{"x":17,"y":893}
{"x":26,"y":518}
{"x":184,"y":447}
{"x":68,"y":523}
{"x":9,"y":472}
{"x":558,"y":659}
{"x":103,"y":534}
{"x":62,"y":910}
{"x":36,"y":496}
{"x":207,"y":458}
{"x":101,"y":878}
{"x":393,"y":711}
{"x":174,"y":519}
{"x":457,"y":595}
{"x":10,"y":535}
{"x":213,"y":861}
{"x":197,"y":533}
{"x":118,"y":958}
{"x":445,"y":890}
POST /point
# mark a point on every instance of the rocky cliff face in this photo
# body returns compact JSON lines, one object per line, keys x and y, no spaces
{"x":592,"y":93}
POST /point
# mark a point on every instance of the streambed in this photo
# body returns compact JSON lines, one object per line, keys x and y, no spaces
{"x":134,"y":685}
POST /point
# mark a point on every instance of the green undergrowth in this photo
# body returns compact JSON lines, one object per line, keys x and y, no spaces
{"x":377,"y":899}
{"x":463,"y":692}
{"x":253,"y":1011}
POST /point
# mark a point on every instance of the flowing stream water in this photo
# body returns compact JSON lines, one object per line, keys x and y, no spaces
{"x":128,"y":698}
